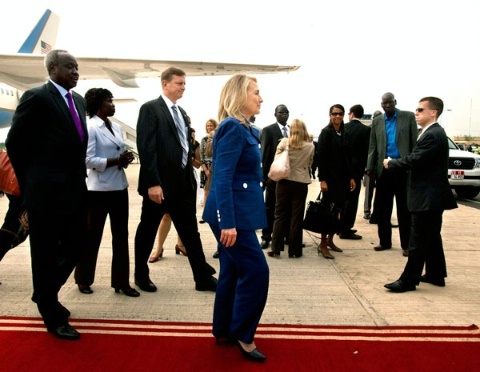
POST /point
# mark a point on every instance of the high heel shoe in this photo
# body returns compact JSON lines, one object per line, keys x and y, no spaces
{"x":128,"y":291}
{"x":323,"y":249}
{"x":332,"y":245}
{"x":254,"y":355}
{"x":273,"y":253}
{"x":181,"y":250}
{"x":154,"y":258}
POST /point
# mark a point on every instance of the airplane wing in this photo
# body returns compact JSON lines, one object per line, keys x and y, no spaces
{"x":24,"y":71}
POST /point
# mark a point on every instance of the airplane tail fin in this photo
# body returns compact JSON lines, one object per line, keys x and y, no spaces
{"x":43,"y":36}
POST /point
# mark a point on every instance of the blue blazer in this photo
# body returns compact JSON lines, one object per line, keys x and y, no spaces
{"x":235,"y":199}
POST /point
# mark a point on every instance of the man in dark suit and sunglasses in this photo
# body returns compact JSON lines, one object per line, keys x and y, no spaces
{"x":428,"y":194}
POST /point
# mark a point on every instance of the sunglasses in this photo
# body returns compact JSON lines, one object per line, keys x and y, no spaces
{"x":337,"y":114}
{"x":420,"y":109}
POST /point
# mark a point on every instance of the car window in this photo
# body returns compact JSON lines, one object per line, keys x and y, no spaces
{"x":452,"y":145}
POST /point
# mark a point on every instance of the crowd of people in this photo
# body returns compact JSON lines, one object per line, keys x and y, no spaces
{"x":54,"y":149}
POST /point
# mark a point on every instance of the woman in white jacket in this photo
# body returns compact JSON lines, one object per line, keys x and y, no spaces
{"x":107,"y":194}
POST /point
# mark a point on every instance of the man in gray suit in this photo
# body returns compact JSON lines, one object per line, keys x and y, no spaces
{"x":392,"y":136}
{"x":429,"y":194}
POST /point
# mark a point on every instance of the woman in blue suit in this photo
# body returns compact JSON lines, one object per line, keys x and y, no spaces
{"x":234,"y":210}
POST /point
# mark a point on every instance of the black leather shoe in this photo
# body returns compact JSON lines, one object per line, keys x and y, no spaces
{"x":273,"y":253}
{"x":264,"y":244}
{"x":216,"y":255}
{"x":437,"y":282}
{"x":146,"y":286}
{"x":367,"y":215}
{"x":128,"y":291}
{"x":65,"y":332}
{"x":208,"y":285}
{"x":405,"y":252}
{"x":400,"y":286}
{"x":381,"y":248}
{"x":254,"y":355}
{"x":85,"y":289}
{"x":351,"y":236}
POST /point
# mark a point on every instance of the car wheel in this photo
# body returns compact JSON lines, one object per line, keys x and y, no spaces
{"x":467,"y":192}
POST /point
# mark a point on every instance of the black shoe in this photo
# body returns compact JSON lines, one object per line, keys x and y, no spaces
{"x":273,"y":253}
{"x":405,"y":252}
{"x":254,"y":355}
{"x":201,"y":221}
{"x":400,"y":286}
{"x":128,"y":291}
{"x":208,"y":285}
{"x":65,"y":332}
{"x":85,"y":289}
{"x":394,"y":225}
{"x":381,"y":248}
{"x":146,"y":286}
{"x":349,"y":235}
{"x":437,"y":282}
{"x":367,"y":215}
{"x":264,"y":244}
{"x":294,"y":255}
{"x":216,"y":255}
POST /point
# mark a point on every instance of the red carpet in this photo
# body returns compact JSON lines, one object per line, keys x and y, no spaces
{"x":116,"y":345}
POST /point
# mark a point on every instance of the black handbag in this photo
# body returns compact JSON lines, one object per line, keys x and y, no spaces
{"x":321,"y":217}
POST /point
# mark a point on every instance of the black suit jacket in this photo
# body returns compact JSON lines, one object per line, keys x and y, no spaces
{"x":269,"y":137}
{"x":427,"y":165}
{"x":46,"y":152}
{"x":160,"y":149}
{"x":358,"y":137}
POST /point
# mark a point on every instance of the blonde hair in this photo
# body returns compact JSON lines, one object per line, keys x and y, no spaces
{"x":298,"y":134}
{"x":214,"y":123}
{"x":234,"y":96}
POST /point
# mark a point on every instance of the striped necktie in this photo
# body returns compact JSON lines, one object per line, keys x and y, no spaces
{"x":181,"y":134}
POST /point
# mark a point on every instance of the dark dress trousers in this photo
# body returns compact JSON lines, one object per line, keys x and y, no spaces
{"x":236,"y":201}
{"x":270,"y":137}
{"x":49,"y":161}
{"x":391,"y":183}
{"x":160,"y":152}
{"x":357,"y":136}
{"x":428,"y":195}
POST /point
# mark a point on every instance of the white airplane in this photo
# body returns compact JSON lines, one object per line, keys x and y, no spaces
{"x":25,"y":70}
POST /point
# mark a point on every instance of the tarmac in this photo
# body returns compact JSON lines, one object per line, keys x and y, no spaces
{"x":310,"y":290}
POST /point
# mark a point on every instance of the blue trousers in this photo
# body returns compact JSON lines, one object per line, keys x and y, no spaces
{"x":242,"y":287}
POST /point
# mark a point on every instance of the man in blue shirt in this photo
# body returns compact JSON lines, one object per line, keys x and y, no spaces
{"x":392,"y":136}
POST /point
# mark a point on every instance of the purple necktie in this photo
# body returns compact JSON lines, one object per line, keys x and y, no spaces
{"x":76,"y":119}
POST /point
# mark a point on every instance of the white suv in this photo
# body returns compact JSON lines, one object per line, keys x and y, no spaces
{"x":463,"y":171}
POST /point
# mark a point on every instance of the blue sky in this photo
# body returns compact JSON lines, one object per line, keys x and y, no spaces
{"x":350,"y":52}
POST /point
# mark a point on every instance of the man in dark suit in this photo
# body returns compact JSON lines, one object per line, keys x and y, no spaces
{"x":357,"y":136}
{"x":167,"y":182}
{"x":369,"y":188}
{"x":429,"y":194}
{"x":47,"y":146}
{"x":392,"y":136}
{"x":270,"y":137}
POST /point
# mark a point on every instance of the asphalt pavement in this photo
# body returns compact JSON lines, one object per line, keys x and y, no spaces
{"x":308,"y":290}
